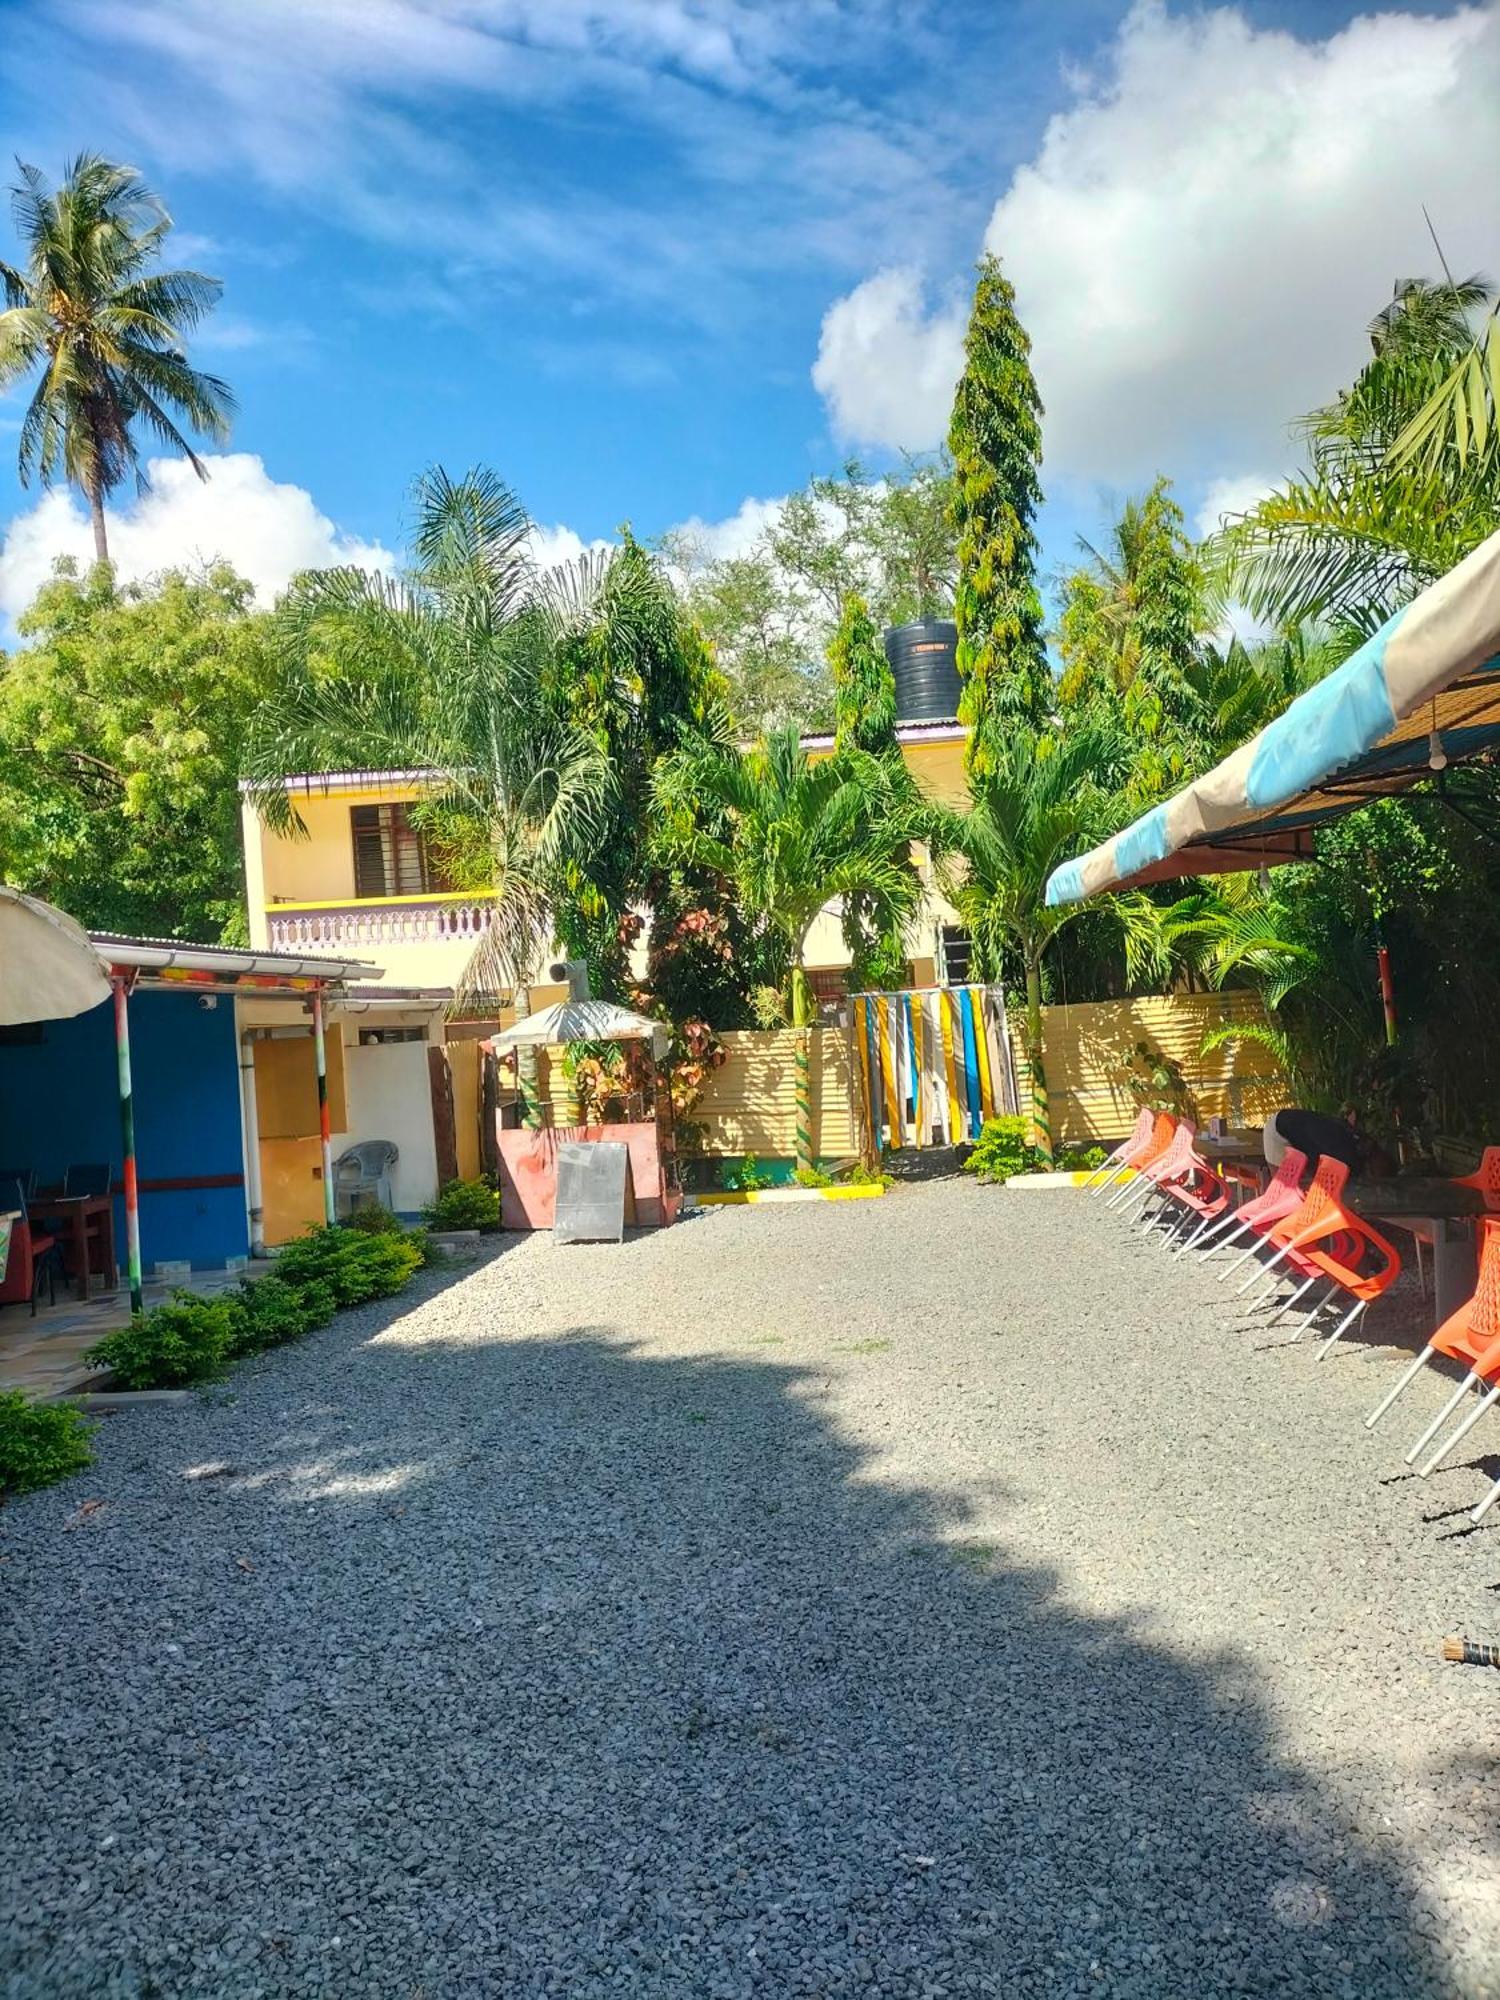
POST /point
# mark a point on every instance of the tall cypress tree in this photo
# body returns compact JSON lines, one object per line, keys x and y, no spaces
{"x":996,"y":442}
{"x":864,"y":688}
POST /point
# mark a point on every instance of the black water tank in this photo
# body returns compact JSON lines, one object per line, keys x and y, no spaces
{"x":922,"y":660}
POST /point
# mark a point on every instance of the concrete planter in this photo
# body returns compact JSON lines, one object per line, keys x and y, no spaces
{"x":779,"y":1194}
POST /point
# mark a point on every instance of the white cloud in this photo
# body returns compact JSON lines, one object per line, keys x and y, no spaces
{"x":1236,"y":493}
{"x":265,"y":529}
{"x":886,"y":366}
{"x":1202,"y":235}
{"x":736,"y":535}
{"x":551,"y":547}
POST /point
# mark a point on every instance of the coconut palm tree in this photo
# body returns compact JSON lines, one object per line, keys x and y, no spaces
{"x":1403,"y":476}
{"x":790,"y":836}
{"x":444,"y":671}
{"x":105,"y":331}
{"x":1043,"y":800}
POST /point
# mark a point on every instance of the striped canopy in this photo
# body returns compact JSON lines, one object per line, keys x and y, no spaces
{"x":1363,"y":733}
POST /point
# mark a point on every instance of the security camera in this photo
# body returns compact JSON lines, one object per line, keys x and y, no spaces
{"x":208,"y":1001}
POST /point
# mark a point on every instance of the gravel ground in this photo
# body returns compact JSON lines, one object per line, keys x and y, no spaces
{"x":932,"y":1596}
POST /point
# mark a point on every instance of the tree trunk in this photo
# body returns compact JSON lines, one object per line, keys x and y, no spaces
{"x":804,"y":1014}
{"x":526,"y":1062}
{"x":1041,"y":1117}
{"x":96,"y":514}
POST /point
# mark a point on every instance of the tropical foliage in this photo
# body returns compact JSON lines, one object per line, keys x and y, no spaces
{"x":122,"y":723}
{"x":102,"y":331}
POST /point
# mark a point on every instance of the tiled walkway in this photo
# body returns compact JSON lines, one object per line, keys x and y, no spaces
{"x":44,"y":1356}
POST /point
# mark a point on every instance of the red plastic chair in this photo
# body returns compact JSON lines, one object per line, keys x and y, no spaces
{"x":1471,"y":1335}
{"x":1123,"y":1156}
{"x":1163,"y":1131}
{"x":32,"y":1257}
{"x":1283,"y":1197}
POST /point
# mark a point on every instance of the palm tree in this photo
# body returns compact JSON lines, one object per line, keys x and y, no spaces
{"x":1044,"y":800}
{"x":105,"y":331}
{"x":444,"y":671}
{"x":1403,"y":480}
{"x":790,"y":836}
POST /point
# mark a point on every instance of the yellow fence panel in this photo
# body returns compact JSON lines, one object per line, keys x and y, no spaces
{"x":1090,"y":1050}
{"x":749,"y":1102}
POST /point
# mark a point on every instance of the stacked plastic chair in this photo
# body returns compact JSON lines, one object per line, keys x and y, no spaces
{"x":1281,"y":1198}
{"x":1120,"y":1161}
{"x":1485,"y":1177}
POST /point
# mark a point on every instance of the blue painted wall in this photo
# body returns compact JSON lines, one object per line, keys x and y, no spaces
{"x":59,"y":1103}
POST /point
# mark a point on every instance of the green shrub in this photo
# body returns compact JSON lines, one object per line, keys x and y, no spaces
{"x":40,"y":1442}
{"x":1080,"y":1159}
{"x":352,"y":1266}
{"x":464,"y":1205}
{"x":746,"y":1178}
{"x":373,"y":1220}
{"x":859,"y":1175}
{"x":812,"y":1177}
{"x":269,"y":1311}
{"x":1003,"y":1149}
{"x":186,"y":1340}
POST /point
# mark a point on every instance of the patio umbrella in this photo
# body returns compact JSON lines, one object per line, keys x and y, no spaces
{"x":48,"y":968}
{"x":585,"y":1021}
{"x":1420,"y":695}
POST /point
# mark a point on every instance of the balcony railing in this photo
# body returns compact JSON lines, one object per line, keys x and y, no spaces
{"x":390,"y":920}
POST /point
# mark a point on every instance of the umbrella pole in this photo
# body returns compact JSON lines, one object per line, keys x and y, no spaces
{"x":320,"y":1059}
{"x":121,"y":984}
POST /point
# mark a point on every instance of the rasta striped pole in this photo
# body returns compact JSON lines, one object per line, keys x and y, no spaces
{"x":120,"y":981}
{"x":320,"y":1062}
{"x":804,"y":1100}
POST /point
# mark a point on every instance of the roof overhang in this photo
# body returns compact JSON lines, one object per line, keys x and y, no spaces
{"x":1362,"y":733}
{"x":218,"y":968}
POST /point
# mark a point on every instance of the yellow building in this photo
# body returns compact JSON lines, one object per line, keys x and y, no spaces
{"x":938,"y":947}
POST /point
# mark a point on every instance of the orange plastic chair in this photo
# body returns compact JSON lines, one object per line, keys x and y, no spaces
{"x":1468,"y":1335}
{"x":1282,"y":1198}
{"x":1347,"y":1237}
{"x":1485,"y":1177}
{"x":1163,"y":1131}
{"x":1485,"y":1374}
{"x":1124,"y":1155}
{"x":1326,"y":1185}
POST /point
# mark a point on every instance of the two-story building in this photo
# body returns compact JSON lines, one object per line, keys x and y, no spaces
{"x":362,"y":883}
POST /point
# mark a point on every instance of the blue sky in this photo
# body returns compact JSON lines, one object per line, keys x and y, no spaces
{"x":654,"y":259}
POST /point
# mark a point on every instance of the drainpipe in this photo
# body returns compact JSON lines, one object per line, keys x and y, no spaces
{"x":320,"y":1057}
{"x":251,"y":1124}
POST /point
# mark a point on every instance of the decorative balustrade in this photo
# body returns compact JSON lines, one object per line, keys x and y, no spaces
{"x":350,"y":925}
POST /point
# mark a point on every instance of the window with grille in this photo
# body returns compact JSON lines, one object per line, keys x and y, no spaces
{"x":390,"y":854}
{"x":957,"y":957}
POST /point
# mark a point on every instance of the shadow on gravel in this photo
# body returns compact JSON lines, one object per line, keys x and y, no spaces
{"x":636,"y":1678}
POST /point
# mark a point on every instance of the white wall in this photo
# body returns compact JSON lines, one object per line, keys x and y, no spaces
{"x":390,"y":1097}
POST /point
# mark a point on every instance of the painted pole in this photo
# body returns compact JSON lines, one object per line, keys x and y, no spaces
{"x":320,"y":1060}
{"x":121,"y":983}
{"x":1387,"y":993}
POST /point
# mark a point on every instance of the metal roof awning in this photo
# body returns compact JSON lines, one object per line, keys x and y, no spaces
{"x":165,"y":962}
{"x":1362,"y":733}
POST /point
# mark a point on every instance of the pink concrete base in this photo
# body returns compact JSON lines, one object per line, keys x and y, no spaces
{"x":528,"y":1174}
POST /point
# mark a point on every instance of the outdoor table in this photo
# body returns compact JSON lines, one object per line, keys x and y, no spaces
{"x":87,"y":1221}
{"x":1439,"y":1212}
{"x":1239,"y":1156}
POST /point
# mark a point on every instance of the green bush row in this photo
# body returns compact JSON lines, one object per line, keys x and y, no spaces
{"x":191,"y":1339}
